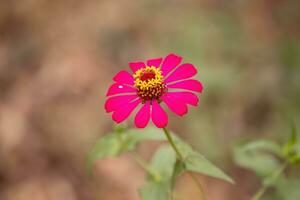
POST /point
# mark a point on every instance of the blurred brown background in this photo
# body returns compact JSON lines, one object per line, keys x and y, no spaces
{"x":57,"y":59}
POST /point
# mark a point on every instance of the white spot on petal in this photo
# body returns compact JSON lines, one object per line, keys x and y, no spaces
{"x":120,"y":86}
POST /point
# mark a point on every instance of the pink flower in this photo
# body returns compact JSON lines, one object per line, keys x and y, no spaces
{"x":149,"y":86}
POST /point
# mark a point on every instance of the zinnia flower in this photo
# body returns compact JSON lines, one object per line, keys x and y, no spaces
{"x":149,"y":86}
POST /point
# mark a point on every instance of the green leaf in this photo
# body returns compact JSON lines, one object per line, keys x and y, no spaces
{"x":294,"y":157}
{"x":289,"y":189}
{"x":114,"y":144}
{"x":291,"y":149}
{"x":195,"y":162}
{"x":150,"y":133}
{"x":120,"y":128}
{"x":156,"y":191}
{"x":109,"y":145}
{"x":292,"y":140}
{"x":258,"y":156}
{"x":162,"y":164}
{"x":263,"y":146}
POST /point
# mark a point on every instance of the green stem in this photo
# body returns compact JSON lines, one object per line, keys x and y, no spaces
{"x":181,"y":158}
{"x":171,"y":141}
{"x":273,"y":178}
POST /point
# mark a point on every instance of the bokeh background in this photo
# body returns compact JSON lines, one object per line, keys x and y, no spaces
{"x":56,"y":62}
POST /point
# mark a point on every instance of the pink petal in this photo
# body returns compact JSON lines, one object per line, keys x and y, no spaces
{"x":118,"y":88}
{"x":123,"y":112}
{"x":184,"y":71}
{"x":159,"y":116}
{"x":186,"y":97}
{"x":192,"y":85}
{"x":143,"y":116}
{"x":169,"y":63}
{"x":154,"y":62}
{"x":175,"y":105}
{"x":114,"y":103}
{"x":124,"y":77}
{"x":136,"y":65}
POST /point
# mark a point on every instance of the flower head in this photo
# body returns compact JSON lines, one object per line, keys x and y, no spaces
{"x":151,"y":85}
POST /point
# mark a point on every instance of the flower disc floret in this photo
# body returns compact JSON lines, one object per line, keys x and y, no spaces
{"x":149,"y":83}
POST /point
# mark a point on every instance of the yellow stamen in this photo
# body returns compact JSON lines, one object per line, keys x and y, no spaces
{"x":149,"y":82}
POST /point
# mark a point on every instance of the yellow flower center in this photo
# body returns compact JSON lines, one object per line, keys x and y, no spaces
{"x":149,"y":83}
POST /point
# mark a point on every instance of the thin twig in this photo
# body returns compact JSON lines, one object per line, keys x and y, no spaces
{"x":273,"y":178}
{"x":181,"y":158}
{"x":143,"y":164}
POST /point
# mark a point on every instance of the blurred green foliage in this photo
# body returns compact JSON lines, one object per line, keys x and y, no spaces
{"x":164,"y":167}
{"x":269,"y":161}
